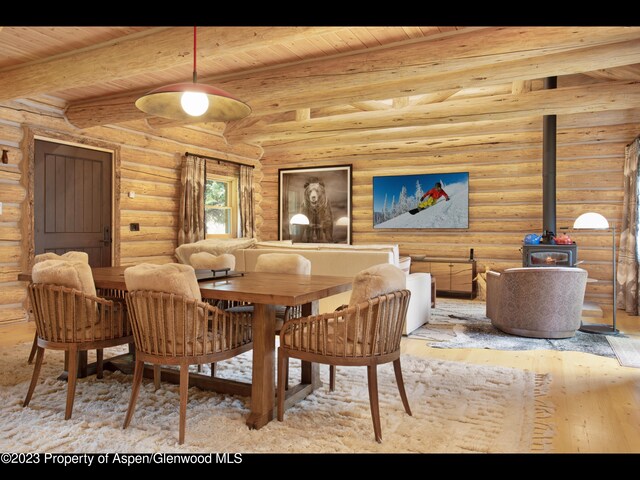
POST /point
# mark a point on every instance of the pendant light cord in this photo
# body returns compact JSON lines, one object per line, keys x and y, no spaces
{"x":195,"y":75}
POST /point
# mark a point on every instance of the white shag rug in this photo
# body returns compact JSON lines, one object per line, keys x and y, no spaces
{"x":457,"y":407}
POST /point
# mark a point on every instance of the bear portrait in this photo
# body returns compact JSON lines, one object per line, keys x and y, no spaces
{"x":317,"y":208}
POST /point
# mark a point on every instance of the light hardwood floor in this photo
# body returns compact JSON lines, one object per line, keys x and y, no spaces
{"x":597,"y":402}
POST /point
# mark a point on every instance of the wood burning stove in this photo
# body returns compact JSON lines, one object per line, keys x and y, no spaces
{"x":548,"y":255}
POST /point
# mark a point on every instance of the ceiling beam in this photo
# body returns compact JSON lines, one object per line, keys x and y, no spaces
{"x":521,"y":86}
{"x":443,"y":131}
{"x":561,"y":101}
{"x":429,"y":146}
{"x":303,"y":114}
{"x":400,"y":102}
{"x":628,"y":72}
{"x":434,"y":97}
{"x":371,"y":105}
{"x":148,"y":51}
{"x":471,"y":58}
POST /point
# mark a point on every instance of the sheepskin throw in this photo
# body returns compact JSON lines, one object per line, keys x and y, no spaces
{"x":72,"y":256}
{"x":170,"y":278}
{"x":375,"y":281}
{"x":66,"y":273}
{"x":207,"y":261}
{"x":283,"y":263}
{"x":213,"y":246}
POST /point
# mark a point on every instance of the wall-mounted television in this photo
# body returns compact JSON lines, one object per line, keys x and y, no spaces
{"x":434,"y":200}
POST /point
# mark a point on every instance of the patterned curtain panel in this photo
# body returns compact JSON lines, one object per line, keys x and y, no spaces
{"x":246,"y":202}
{"x":627,"y":276}
{"x":191,"y":220}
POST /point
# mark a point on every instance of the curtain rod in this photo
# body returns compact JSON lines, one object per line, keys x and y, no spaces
{"x":218,"y":159}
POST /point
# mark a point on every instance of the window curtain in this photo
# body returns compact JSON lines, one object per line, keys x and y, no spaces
{"x":246,"y":202}
{"x":627,"y":276}
{"x":191,"y":220}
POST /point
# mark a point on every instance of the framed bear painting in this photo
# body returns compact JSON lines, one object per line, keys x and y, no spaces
{"x":315,"y":204}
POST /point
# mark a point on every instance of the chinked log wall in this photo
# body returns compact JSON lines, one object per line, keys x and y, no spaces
{"x":150,"y":167}
{"x":505,"y":181}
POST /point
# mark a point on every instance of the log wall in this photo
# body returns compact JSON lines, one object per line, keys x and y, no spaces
{"x":505,"y":182}
{"x":149,"y":166}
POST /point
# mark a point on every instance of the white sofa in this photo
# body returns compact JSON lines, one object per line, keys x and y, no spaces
{"x":330,"y":259}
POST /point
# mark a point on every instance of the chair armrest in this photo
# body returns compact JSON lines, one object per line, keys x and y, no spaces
{"x":352,"y":331}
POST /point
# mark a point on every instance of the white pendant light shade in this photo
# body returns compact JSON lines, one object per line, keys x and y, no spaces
{"x":591,"y":220}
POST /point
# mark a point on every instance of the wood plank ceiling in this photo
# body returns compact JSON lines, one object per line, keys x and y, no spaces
{"x":96,"y":73}
{"x":219,"y":51}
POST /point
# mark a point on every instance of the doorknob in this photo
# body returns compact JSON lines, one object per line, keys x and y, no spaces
{"x":106,"y":237}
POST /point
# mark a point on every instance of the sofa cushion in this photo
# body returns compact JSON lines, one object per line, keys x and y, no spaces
{"x":376,"y":281}
{"x":329,"y":262}
{"x":170,"y":278}
{"x":66,"y":273}
{"x":291,"y":263}
{"x":274,"y":244}
{"x":208,"y":261}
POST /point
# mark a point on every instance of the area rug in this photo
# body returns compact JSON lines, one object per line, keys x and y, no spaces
{"x":627,"y":350}
{"x":457,"y":323}
{"x":457,"y":407}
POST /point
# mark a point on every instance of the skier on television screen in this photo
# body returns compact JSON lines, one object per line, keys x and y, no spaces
{"x":432,"y":196}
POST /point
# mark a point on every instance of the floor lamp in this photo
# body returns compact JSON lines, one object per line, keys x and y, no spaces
{"x":595,"y":221}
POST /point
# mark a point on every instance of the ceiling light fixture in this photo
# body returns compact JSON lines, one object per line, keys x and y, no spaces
{"x":189,"y":101}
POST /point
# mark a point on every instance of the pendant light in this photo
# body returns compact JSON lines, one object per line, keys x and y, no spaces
{"x":193,"y":101}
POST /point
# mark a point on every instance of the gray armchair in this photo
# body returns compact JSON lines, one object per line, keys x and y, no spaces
{"x":539,"y":302}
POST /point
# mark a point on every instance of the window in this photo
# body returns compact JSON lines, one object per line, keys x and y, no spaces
{"x":220,"y":206}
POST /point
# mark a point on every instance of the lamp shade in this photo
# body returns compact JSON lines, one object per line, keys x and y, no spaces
{"x":591,"y":220}
{"x":299,"y":219}
{"x":166,"y":102}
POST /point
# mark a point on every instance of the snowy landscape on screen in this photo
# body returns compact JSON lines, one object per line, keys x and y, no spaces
{"x":451,"y":214}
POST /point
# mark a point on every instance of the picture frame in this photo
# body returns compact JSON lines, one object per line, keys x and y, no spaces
{"x":404,"y":202}
{"x":314,"y":204}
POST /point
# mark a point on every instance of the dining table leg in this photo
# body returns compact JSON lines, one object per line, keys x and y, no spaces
{"x":263,"y":370}
{"x":84,"y":369}
{"x":310,"y":372}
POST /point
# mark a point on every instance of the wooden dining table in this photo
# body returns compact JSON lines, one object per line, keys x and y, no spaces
{"x":265,"y":291}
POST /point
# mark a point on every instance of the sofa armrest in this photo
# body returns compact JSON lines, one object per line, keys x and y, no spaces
{"x":419,"y":311}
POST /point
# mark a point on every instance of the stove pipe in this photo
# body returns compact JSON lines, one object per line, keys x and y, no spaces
{"x":549,"y":167}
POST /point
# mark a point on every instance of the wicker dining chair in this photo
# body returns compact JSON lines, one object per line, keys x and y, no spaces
{"x":367,"y":333}
{"x":173,"y":326}
{"x":71,"y":256}
{"x":69,"y":316}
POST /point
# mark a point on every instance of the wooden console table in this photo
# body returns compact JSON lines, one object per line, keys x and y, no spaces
{"x":454,"y":276}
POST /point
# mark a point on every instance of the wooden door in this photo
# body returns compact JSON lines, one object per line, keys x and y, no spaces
{"x":72,"y":201}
